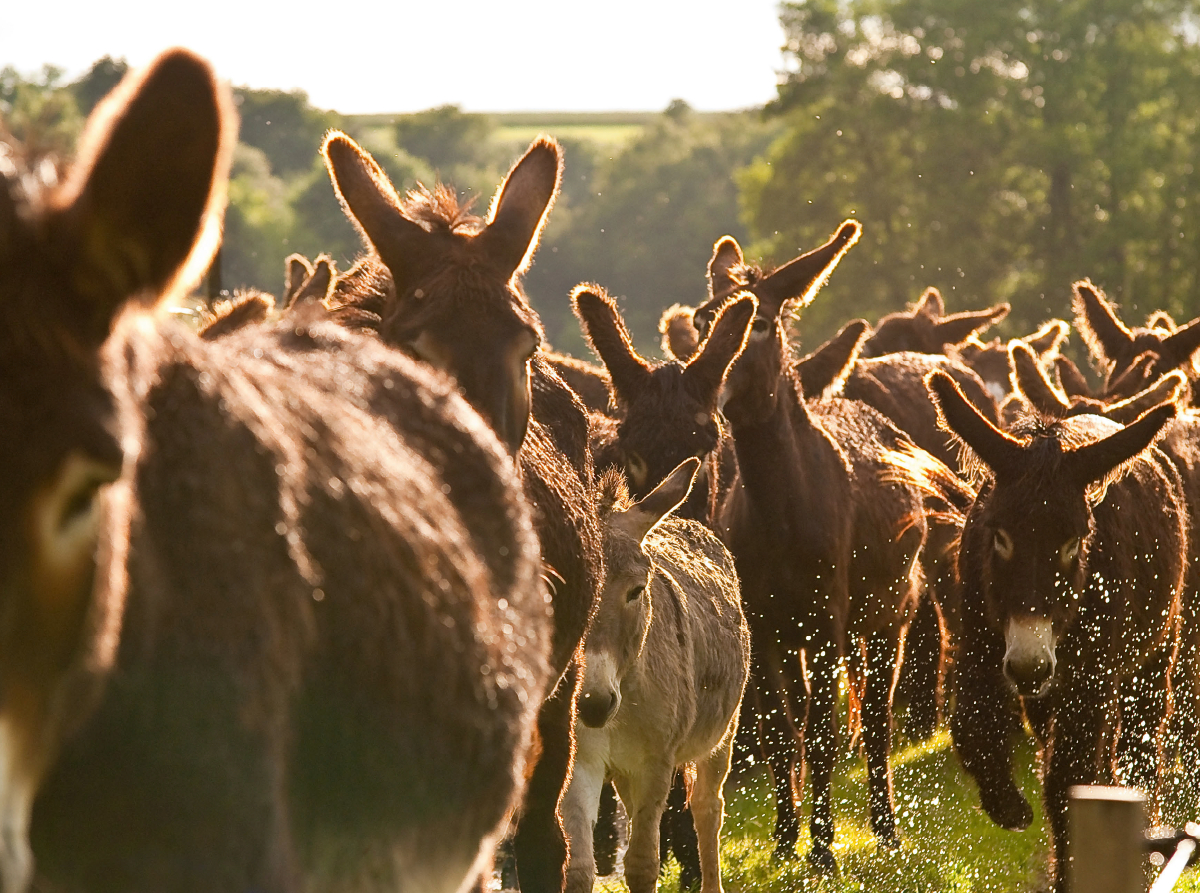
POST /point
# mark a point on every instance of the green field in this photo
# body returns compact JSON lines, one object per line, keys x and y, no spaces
{"x":948,"y":844}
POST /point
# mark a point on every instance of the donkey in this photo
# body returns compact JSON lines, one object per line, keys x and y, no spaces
{"x":589,"y":381}
{"x":666,"y":662}
{"x":925,"y":328}
{"x":668,"y":410}
{"x":990,"y":360}
{"x":264,"y":595}
{"x":1115,"y":347}
{"x":445,"y":286}
{"x":827,"y":550}
{"x":1071,"y":561}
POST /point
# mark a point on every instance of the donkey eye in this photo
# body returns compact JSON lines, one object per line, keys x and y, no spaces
{"x":1003,"y":544}
{"x":635,"y":465}
{"x":1069,"y":551}
{"x":760,"y":326}
{"x":634,"y":594}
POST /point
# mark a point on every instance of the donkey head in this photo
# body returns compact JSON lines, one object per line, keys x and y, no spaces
{"x":990,"y":361}
{"x":751,"y":387}
{"x":457,"y":301}
{"x":1026,"y":540}
{"x":670,"y":409}
{"x":924,"y":327}
{"x":137,"y":216}
{"x":1117,"y":348}
{"x":618,"y":631}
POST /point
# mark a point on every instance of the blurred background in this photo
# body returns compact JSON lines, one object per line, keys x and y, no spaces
{"x":997,"y":151}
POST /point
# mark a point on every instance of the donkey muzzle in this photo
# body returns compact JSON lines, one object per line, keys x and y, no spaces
{"x":596,"y":708}
{"x":1029,"y":658}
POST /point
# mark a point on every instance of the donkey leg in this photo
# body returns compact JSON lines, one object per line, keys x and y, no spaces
{"x":1145,"y":706}
{"x":678,"y":835}
{"x":821,"y":747}
{"x":1075,"y":759}
{"x":779,"y":743}
{"x":708,"y":812}
{"x":923,"y":670}
{"x":606,"y":836}
{"x":882,"y":652}
{"x":645,"y":797}
{"x":580,"y":805}
{"x":540,"y":845}
{"x":983,"y":721}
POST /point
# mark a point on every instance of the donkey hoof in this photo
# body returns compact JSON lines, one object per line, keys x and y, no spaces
{"x":822,"y":861}
{"x":785,"y":851}
{"x":889,"y":841}
{"x":1011,"y":811}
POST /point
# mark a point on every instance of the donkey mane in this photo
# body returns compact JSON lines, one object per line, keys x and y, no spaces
{"x":441,"y":209}
{"x":613,"y":495}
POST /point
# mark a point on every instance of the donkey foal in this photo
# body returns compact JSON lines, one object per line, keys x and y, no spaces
{"x":666,"y":661}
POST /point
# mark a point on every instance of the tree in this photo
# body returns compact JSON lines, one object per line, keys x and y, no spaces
{"x":99,"y":81}
{"x":998,"y":151}
{"x":284,"y":126}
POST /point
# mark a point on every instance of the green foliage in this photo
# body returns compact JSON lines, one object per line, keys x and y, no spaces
{"x":284,"y":126}
{"x":998,"y":151}
{"x":446,"y":137}
{"x":39,"y":114}
{"x":99,"y":81}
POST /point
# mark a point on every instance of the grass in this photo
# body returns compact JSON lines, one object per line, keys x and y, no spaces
{"x":603,"y":135}
{"x":948,"y":844}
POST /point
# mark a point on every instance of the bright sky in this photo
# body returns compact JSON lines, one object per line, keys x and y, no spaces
{"x":360,"y":56}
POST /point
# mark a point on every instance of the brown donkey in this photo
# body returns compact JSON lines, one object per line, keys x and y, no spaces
{"x":1071,"y":560}
{"x":258,"y":590}
{"x":826,"y":548}
{"x":925,"y":328}
{"x":666,"y":661}
{"x":445,"y":286}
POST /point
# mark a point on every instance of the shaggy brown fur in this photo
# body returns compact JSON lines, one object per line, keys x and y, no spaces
{"x":283,"y":629}
{"x":826,"y":548}
{"x":241,"y":310}
{"x":679,"y":336}
{"x":1072,"y":561}
{"x":445,"y":286}
{"x":823,"y":372}
{"x":990,"y":361}
{"x":589,"y":381}
{"x":924,"y":327}
{"x":666,"y":663}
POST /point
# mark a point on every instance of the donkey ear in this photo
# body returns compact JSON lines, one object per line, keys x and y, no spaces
{"x":1029,"y":379}
{"x":315,"y":286}
{"x":1093,"y":462}
{"x":680,"y":340}
{"x":1104,"y":334}
{"x":371,"y":203}
{"x":1178,"y":348}
{"x":803,"y":277}
{"x":961,"y":326}
{"x":825,"y":369}
{"x":1160,"y":319}
{"x":930,"y":304}
{"x":727,"y":338}
{"x":1169,"y":388}
{"x":1136,"y":376}
{"x":140,"y":211}
{"x":297,"y":270}
{"x":610,"y":339}
{"x":522,"y":204}
{"x":646,"y":514}
{"x":1073,"y":382}
{"x":726,"y":257}
{"x":1000,"y":452}
{"x":1047,"y":339}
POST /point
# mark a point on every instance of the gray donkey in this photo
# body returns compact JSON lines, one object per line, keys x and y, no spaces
{"x":666,"y":661}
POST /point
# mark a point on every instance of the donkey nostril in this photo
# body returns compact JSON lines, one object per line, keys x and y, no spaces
{"x":1029,"y":674}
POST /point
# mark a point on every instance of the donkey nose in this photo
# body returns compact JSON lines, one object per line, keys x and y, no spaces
{"x":596,"y":708}
{"x":1030,"y":674}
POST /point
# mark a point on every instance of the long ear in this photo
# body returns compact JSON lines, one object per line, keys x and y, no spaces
{"x":1104,"y":334}
{"x":997,"y":450}
{"x":315,"y":286}
{"x":727,"y":338}
{"x":726,"y":258}
{"x":1179,"y":347}
{"x":1160,"y":319}
{"x":242,"y":311}
{"x":1168,"y":388}
{"x":1047,"y":339}
{"x":140,"y":211}
{"x":825,"y":369}
{"x":1094,"y":461}
{"x":646,"y":514}
{"x":371,"y":203}
{"x":680,"y":339}
{"x":930,"y":304}
{"x":298,"y":269}
{"x":1073,"y":382}
{"x":960,"y":326}
{"x":1029,"y":379}
{"x":803,"y":277}
{"x":1133,"y":378}
{"x":606,"y":332}
{"x":522,"y":204}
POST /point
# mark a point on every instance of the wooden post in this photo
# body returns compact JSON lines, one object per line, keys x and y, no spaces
{"x":1107,"y":827}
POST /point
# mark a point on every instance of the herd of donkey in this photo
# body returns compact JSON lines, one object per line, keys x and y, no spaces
{"x":336,"y":593}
